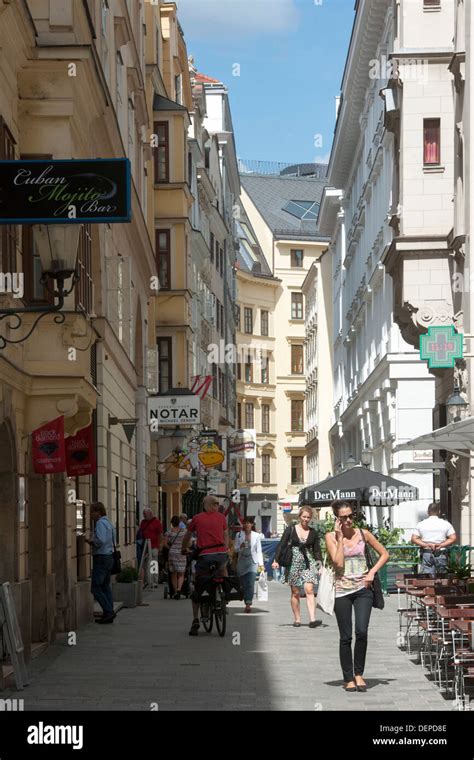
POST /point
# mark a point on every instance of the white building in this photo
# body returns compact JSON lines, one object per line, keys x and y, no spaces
{"x":386,"y":193}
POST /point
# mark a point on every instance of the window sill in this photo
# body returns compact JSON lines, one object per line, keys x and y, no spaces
{"x":431,"y":8}
{"x":434,"y":169}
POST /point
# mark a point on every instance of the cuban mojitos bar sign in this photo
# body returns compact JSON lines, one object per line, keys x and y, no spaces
{"x":65,"y":191}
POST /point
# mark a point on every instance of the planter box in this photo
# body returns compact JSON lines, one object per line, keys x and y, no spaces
{"x":130,"y":594}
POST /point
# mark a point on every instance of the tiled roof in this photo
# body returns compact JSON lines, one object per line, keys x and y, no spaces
{"x":203,"y":78}
{"x":271,"y":194}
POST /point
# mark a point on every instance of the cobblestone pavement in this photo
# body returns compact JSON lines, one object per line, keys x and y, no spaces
{"x":146,"y":660}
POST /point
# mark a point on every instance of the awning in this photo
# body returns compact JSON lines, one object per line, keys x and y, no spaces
{"x":457,"y":437}
{"x":367,"y":487}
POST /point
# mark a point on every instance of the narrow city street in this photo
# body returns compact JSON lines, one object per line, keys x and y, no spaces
{"x":146,"y":661}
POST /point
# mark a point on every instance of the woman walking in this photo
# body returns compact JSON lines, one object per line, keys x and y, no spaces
{"x":305,"y":563}
{"x":250,"y":560}
{"x":346,"y":547}
{"x":176,"y":561}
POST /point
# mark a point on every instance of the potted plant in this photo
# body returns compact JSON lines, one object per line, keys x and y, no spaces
{"x":127,"y":587}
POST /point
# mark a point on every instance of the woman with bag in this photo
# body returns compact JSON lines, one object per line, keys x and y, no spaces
{"x":300,"y":553}
{"x":250,"y":559}
{"x":176,"y":561}
{"x":357,"y":587}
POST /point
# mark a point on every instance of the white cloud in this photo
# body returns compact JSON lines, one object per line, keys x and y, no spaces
{"x":208,"y":19}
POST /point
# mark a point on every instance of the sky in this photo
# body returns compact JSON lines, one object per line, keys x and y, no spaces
{"x":282,"y":62}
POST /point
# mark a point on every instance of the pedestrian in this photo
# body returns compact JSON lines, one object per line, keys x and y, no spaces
{"x":176,"y":561}
{"x":250,"y":559}
{"x":305,"y":563}
{"x":212,"y":540}
{"x":151,"y":528}
{"x":346,"y":547}
{"x":183,"y":520}
{"x":102,"y":544}
{"x":433,"y":536}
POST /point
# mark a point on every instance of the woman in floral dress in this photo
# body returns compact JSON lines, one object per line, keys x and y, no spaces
{"x":306,"y":563}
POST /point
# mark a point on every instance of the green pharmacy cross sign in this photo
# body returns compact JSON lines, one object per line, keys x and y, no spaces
{"x":441,"y":347}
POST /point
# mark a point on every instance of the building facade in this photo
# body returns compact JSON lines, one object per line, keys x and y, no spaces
{"x":282,"y":209}
{"x":73,"y":84}
{"x":383,"y":393}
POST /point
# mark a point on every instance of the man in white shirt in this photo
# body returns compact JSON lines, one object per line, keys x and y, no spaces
{"x":433,"y":536}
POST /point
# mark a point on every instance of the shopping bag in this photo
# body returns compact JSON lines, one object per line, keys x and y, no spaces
{"x":261,"y":591}
{"x":326,"y":591}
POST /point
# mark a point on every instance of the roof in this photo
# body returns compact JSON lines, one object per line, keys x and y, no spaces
{"x":160,"y":103}
{"x":249,"y":255}
{"x":203,"y":78}
{"x":271,"y":194}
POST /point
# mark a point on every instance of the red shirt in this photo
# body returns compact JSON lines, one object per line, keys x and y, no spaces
{"x":152,"y":529}
{"x":209,"y":528}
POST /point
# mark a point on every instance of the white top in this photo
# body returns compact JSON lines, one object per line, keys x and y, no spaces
{"x":255,"y":545}
{"x":434,"y":530}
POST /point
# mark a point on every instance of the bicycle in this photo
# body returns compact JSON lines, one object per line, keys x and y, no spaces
{"x":214,"y":605}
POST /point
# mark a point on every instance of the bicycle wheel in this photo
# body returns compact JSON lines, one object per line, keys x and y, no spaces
{"x":207,"y":618}
{"x":221,"y":613}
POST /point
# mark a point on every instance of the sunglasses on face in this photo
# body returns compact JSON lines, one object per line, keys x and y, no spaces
{"x":347,"y":517}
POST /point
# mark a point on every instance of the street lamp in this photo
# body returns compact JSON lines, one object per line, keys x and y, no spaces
{"x":456,"y":406}
{"x":57,"y":248}
{"x":366,"y":456}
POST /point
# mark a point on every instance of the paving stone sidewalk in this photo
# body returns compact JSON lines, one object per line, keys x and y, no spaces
{"x":146,"y":660}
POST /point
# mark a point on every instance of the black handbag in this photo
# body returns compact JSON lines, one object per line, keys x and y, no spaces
{"x":285,"y":555}
{"x":379,"y":599}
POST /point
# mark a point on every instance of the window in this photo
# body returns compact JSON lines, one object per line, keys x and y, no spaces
{"x":239,"y":416}
{"x":307,"y":210}
{"x":35,"y":292}
{"x":218,"y":253}
{"x":84,"y":289}
{"x":237,"y":317}
{"x":431,"y":142}
{"x":161,"y":155}
{"x":297,"y":305}
{"x":248,"y":372}
{"x":265,"y":468}
{"x":212,"y":247}
{"x":249,"y":416}
{"x":249,"y":471}
{"x":178,"y":86}
{"x":222,"y":321}
{"x":117,"y":509}
{"x":165,"y":360}
{"x":297,"y":470}
{"x":218,"y":317}
{"x":163,"y":257}
{"x":248,"y":320}
{"x":207,"y":155}
{"x":297,"y":413}
{"x":264,"y":374}
{"x":296,"y":360}
{"x":431,"y":3}
{"x":239,"y":371}
{"x":296,"y":258}
{"x":125,"y":524}
{"x":190,"y":169}
{"x":8,"y":231}
{"x":221,"y":263}
{"x":265,"y":418}
{"x":215,"y":382}
{"x":131,"y":134}
{"x":264,"y":322}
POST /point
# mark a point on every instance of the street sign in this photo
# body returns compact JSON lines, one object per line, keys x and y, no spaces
{"x":174,"y":410}
{"x":441,"y":346}
{"x":65,"y":191}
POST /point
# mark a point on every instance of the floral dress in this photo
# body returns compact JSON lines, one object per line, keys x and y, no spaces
{"x":298,"y":573}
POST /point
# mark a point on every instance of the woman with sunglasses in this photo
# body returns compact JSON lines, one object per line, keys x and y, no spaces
{"x":346,"y":548}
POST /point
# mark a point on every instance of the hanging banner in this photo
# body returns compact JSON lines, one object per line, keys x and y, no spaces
{"x":80,"y":453}
{"x":48,"y":449}
{"x":40,"y":191}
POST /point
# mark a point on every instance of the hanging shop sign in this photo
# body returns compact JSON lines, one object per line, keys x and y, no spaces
{"x":441,"y":346}
{"x":242,"y":444}
{"x":65,"y":191}
{"x":170,"y":410}
{"x":80,"y":453}
{"x":48,"y":449}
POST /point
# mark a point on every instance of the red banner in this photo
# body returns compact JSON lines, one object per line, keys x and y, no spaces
{"x":49,"y":453}
{"x":80,"y":453}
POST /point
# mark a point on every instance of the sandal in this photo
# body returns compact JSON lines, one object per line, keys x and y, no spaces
{"x":296,"y":625}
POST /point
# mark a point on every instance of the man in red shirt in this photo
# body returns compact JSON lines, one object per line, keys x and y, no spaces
{"x":212,"y":539}
{"x":151,"y":527}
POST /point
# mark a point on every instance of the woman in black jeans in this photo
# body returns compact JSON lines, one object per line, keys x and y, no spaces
{"x":346,"y":548}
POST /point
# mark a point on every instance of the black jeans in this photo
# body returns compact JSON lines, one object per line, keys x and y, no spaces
{"x":361,"y":601}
